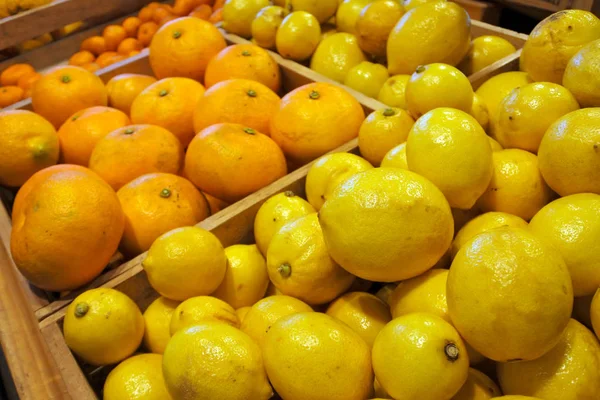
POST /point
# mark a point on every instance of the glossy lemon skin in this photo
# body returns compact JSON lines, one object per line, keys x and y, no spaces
{"x":198,"y":310}
{"x":137,"y":378}
{"x":157,"y":321}
{"x":265,"y":25}
{"x":348,"y":13}
{"x":367,"y":78}
{"x":484,"y":51}
{"x":321,"y":9}
{"x":477,"y":387}
{"x":374,"y":24}
{"x":298,"y":36}
{"x":424,"y":293}
{"x":336,"y":55}
{"x":581,"y":75}
{"x":238,"y":15}
{"x":381,"y":131}
{"x":393,"y":91}
{"x":395,"y":158}
{"x":480,"y":112}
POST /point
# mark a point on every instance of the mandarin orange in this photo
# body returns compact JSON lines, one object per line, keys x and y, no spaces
{"x":113,"y":36}
{"x":11,"y":75}
{"x":9,"y":95}
{"x":95,"y":45}
{"x":123,"y":89}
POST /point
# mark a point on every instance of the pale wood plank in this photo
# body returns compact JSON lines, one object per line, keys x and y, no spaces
{"x":509,"y":63}
{"x":479,"y":28}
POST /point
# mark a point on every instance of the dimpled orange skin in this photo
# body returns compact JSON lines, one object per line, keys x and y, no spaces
{"x":135,"y":150}
{"x":155,"y":204}
{"x":67,"y":230}
{"x":230,"y":161}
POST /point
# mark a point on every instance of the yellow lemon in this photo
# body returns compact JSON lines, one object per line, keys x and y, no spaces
{"x":446,"y":39}
{"x":410,"y":4}
{"x":298,"y":36}
{"x":480,"y":112}
{"x":137,"y":378}
{"x":239,"y":14}
{"x":336,"y":55}
{"x":367,"y":78}
{"x":517,"y":187}
{"x":381,"y":131}
{"x":581,"y":75}
{"x":322,"y":9}
{"x":483,"y":223}
{"x":393,"y":91}
{"x":241,"y":313}
{"x":527,"y":112}
{"x":310,"y":352}
{"x":401,"y":224}
{"x":374,"y":24}
{"x":327,"y":30}
{"x":328,"y":172}
{"x":556,"y":39}
{"x":448,"y":147}
{"x":157,"y":322}
{"x":485,"y":50}
{"x":420,"y":356}
{"x":424,"y":293}
{"x":275,"y":213}
{"x":266,"y":312}
{"x":215,"y":361}
{"x":572,"y":225}
{"x":185,"y":262}
{"x":103,"y":326}
{"x":514,"y":310}
{"x":299,"y":264}
{"x":198,"y":310}
{"x":495,"y":145}
{"x":348,"y":13}
{"x":516,"y":397}
{"x":395,"y":158}
{"x":265,"y":25}
{"x":569,"y":152}
{"x":438,"y":85}
{"x":385,"y":292}
{"x":246,"y":279}
{"x":477,"y":387}
{"x":570,"y":371}
{"x":595,"y":313}
{"x":363,"y":312}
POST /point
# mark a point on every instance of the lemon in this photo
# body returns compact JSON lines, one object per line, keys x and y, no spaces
{"x":581,"y":75}
{"x":393,"y":91}
{"x":381,"y":131}
{"x":410,"y":4}
{"x":569,"y":152}
{"x":348,"y":13}
{"x":424,"y":293}
{"x":275,"y":213}
{"x":137,"y":378}
{"x":595,"y":313}
{"x":265,"y":25}
{"x":157,"y":321}
{"x":385,"y":292}
{"x":336,"y":55}
{"x":321,"y":9}
{"x":527,"y":112}
{"x":556,"y":39}
{"x":495,"y":145}
{"x":438,"y":85}
{"x":374,"y":24}
{"x":198,"y":310}
{"x":484,"y":51}
{"x":327,"y":30}
{"x":570,"y":371}
{"x":298,"y":36}
{"x":363,"y":312}
{"x":477,"y":387}
{"x":185,"y":262}
{"x":509,"y":294}
{"x":326,"y":174}
{"x":420,"y":356}
{"x":480,"y":112}
{"x":239,"y":14}
{"x":241,"y":313}
{"x":299,"y":264}
{"x":103,"y":326}
{"x":448,"y":147}
{"x":246,"y":278}
{"x":386,"y":224}
{"x":435,"y":32}
{"x":266,"y":312}
{"x":214,"y":361}
{"x":310,"y":352}
{"x":367,"y":78}
{"x":517,"y":187}
{"x":517,"y":397}
{"x":572,"y":225}
{"x":483,"y":223}
{"x":395,"y":158}
{"x":582,"y":307}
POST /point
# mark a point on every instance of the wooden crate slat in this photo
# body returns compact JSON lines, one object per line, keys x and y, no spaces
{"x":479,"y":28}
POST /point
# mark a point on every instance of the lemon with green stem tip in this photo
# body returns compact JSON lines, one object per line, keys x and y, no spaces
{"x":381,"y":131}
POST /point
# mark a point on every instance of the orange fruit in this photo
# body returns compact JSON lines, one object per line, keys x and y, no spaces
{"x":231,"y":161}
{"x":161,"y":13}
{"x":28,"y":143}
{"x":26,"y":82}
{"x":146,"y":32}
{"x":91,"y":67}
{"x":203,"y":11}
{"x":113,"y":59}
{"x":80,"y":133}
{"x":315,"y":119}
{"x":128,"y":45}
{"x":11,"y":75}
{"x":81,"y":58}
{"x":124,"y":88}
{"x":166,"y":19}
{"x":240,"y":101}
{"x":113,"y":35}
{"x":134,"y":53}
{"x":145,"y":14}
{"x":183,"y":7}
{"x":131,"y":26}
{"x":67,"y":230}
{"x":135,"y":150}
{"x":219,"y":4}
{"x":155,"y":5}
{"x":216,"y":16}
{"x":184,"y":47}
{"x":155,"y":204}
{"x":65,"y":90}
{"x":95,"y":45}
{"x":169,"y":103}
{"x":244,"y":61}
{"x":215,"y":204}
{"x":10,"y":95}
{"x":103,"y":59}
